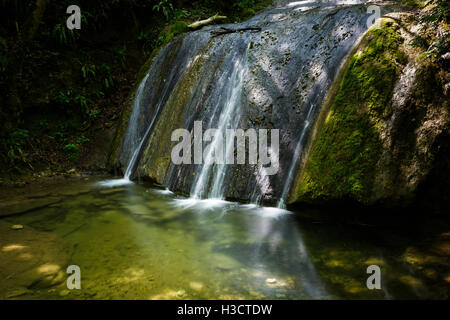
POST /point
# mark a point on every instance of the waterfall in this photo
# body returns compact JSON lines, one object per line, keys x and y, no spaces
{"x":296,"y":157}
{"x":132,"y":136}
{"x":272,"y":73}
{"x":229,"y":118}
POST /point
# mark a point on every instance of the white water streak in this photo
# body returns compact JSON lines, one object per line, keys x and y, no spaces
{"x":229,"y":117}
{"x":296,"y":157}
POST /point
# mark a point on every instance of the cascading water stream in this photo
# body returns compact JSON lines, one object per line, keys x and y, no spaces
{"x":132,"y":136}
{"x":229,"y":118}
{"x":296,"y":157}
{"x":270,"y":72}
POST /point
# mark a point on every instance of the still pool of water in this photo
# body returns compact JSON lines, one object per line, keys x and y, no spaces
{"x":135,"y":241}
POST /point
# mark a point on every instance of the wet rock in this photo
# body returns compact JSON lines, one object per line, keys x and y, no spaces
{"x":12,"y":207}
{"x":261,"y":70}
{"x":181,"y":293}
{"x":74,"y":189}
{"x":17,"y":293}
{"x":30,"y":259}
{"x":64,"y":293}
{"x":197,"y":286}
{"x":111,"y":191}
{"x":224,"y":262}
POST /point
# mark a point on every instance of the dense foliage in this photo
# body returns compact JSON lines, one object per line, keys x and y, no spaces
{"x":60,"y":88}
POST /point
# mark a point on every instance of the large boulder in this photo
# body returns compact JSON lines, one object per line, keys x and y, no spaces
{"x":384,"y":137}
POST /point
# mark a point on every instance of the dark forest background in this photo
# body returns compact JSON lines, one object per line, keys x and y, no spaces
{"x":60,"y":88}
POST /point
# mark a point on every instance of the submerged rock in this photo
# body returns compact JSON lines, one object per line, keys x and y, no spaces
{"x":112,"y":190}
{"x":30,"y":259}
{"x":12,"y":207}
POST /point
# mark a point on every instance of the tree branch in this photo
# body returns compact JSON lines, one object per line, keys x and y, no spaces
{"x":201,"y":23}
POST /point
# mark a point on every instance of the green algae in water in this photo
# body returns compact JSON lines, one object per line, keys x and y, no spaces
{"x":137,"y":242}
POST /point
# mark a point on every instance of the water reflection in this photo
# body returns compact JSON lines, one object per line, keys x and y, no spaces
{"x":263,"y":242}
{"x":136,"y":242}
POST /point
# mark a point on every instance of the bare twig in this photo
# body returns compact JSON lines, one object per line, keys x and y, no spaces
{"x":201,"y":23}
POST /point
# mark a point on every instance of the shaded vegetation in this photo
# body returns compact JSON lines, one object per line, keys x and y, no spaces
{"x":440,"y":11}
{"x":436,"y":13}
{"x":61,"y":88}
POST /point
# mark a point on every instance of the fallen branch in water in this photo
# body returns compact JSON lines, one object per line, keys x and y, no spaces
{"x":201,"y":23}
{"x":222,"y":30}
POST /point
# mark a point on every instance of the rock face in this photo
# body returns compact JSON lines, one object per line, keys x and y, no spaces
{"x":274,"y":75}
{"x":384,"y":137}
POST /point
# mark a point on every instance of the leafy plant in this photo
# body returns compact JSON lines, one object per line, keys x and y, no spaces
{"x":60,"y":136}
{"x":83,"y":103}
{"x":64,"y":97}
{"x":15,"y":144}
{"x":144,"y":35}
{"x":122,"y":55}
{"x":439,"y":47}
{"x":94,"y":113}
{"x":72,"y":150}
{"x":20,"y":134}
{"x":164,"y":6}
{"x":243,"y":4}
{"x":439,"y":12}
{"x":63,"y":35}
{"x":3,"y":54}
{"x":82,"y":140}
{"x":419,"y":42}
{"x":88,"y":72}
{"x":109,"y":82}
{"x":181,"y":14}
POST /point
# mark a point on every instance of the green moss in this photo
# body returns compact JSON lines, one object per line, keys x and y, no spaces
{"x":346,"y":148}
{"x":248,"y":13}
{"x":173,"y":30}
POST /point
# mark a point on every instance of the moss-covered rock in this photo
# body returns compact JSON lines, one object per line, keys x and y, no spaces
{"x":378,"y":140}
{"x":347,"y":147}
{"x":173,"y":30}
